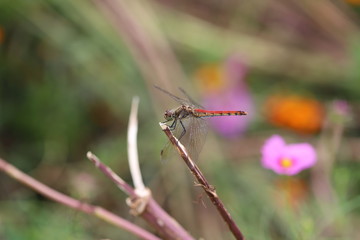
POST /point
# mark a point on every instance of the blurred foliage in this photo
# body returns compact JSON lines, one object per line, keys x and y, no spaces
{"x":68,"y":72}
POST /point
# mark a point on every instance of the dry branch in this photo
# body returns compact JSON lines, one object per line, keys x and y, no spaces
{"x":145,"y":207}
{"x":202,"y":181}
{"x":74,"y":203}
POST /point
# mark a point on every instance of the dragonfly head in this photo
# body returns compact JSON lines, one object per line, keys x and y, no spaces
{"x":168,"y":115}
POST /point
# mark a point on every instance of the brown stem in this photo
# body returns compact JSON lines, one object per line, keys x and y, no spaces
{"x":147,"y":208}
{"x":209,"y":189}
{"x":73,"y":203}
{"x":126,"y":188}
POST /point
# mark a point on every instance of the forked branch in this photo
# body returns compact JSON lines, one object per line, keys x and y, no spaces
{"x":140,"y":200}
{"x":145,"y":207}
{"x":209,"y":189}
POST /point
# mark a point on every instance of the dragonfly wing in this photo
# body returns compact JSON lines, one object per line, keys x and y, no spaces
{"x":195,"y":128}
{"x":168,"y":151}
{"x":194,"y":139}
{"x":191,"y":100}
{"x":177,"y":99}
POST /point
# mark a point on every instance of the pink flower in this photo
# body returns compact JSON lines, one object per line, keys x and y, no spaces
{"x":234,"y":99}
{"x":287,"y":159}
{"x":225,"y":89}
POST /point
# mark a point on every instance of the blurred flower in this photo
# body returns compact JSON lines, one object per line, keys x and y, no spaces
{"x":287,"y":159}
{"x":224,"y":88}
{"x":210,"y":77}
{"x":298,"y":113}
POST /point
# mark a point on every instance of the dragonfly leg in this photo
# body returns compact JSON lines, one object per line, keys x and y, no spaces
{"x":173,"y":125}
{"x":184,"y":130}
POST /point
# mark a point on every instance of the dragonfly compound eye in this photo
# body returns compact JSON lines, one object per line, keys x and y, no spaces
{"x":168,"y":115}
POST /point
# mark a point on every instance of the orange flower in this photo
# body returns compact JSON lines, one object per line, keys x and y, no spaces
{"x":211,"y":77}
{"x":298,"y":113}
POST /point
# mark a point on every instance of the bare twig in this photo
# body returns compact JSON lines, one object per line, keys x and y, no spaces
{"x":126,"y":188}
{"x":140,"y":200}
{"x":74,"y":203}
{"x":139,"y":205}
{"x":166,"y":226}
{"x":133,"y":156}
{"x":209,"y":189}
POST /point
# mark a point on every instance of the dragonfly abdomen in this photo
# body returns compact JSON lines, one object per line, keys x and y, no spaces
{"x":207,"y":113}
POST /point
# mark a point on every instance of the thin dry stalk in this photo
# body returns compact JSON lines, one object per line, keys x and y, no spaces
{"x":202,"y":181}
{"x":145,"y":207}
{"x":140,"y":200}
{"x":74,"y":203}
{"x":133,"y":156}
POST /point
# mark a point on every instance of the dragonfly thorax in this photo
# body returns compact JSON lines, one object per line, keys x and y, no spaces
{"x":178,"y":113}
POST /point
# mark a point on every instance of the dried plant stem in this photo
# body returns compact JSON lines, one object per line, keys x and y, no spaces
{"x":146,"y":207}
{"x":126,"y":188}
{"x":73,"y":203}
{"x":133,"y":156}
{"x":140,"y":200}
{"x":209,"y":189}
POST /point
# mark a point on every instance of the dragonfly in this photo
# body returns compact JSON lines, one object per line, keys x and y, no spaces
{"x":187,"y":122}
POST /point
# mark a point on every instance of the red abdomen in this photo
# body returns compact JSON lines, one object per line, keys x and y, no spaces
{"x":209,"y":113}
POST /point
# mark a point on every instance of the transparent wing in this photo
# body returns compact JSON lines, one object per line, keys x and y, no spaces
{"x":191,"y":100}
{"x":193,"y":140}
{"x":168,"y":151}
{"x":179,"y":100}
{"x":196,"y":129}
